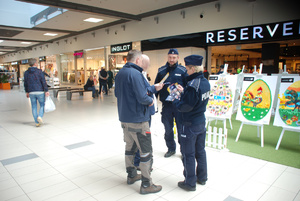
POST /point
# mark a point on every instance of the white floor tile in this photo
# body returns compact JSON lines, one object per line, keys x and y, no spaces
{"x":289,"y":182}
{"x":278,"y":194}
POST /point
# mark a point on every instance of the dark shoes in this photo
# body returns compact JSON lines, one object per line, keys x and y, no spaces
{"x":201,"y":182}
{"x":150,"y":189}
{"x":134,"y":179}
{"x":169,"y":153}
{"x":186,"y":187}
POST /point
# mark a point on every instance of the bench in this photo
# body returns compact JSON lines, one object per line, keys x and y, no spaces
{"x":80,"y":91}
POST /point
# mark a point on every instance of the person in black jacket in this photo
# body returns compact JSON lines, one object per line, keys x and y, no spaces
{"x":103,"y":76}
{"x":89,"y":86}
{"x":192,"y":106}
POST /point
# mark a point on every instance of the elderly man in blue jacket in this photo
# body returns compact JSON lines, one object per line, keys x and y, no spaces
{"x":192,"y":106}
{"x":133,"y":109}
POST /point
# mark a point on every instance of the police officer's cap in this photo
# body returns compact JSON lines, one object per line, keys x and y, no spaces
{"x":173,"y":51}
{"x":193,"y":60}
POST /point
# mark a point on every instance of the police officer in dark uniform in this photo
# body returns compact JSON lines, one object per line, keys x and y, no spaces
{"x":192,"y":106}
{"x":177,"y":74}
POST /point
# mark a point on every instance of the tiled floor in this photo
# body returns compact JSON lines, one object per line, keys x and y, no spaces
{"x":78,"y":154}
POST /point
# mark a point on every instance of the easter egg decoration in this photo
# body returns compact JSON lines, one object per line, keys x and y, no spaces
{"x":289,"y":106}
{"x":220,"y":98}
{"x":256,"y":101}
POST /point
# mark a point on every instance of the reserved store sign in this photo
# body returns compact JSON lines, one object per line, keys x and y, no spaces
{"x":125,"y":47}
{"x":276,"y":31}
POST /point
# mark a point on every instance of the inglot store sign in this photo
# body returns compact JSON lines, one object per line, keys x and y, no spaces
{"x":266,"y":32}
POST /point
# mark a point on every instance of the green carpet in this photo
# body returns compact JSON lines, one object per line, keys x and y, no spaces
{"x":249,"y":144}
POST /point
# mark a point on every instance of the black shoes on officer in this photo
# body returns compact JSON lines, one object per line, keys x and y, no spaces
{"x":169,"y":153}
{"x":150,"y":189}
{"x":186,"y":187}
{"x":134,"y":179}
{"x":201,"y":182}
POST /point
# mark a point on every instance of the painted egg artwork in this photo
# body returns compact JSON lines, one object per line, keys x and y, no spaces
{"x":289,"y":106}
{"x":256,"y":101}
{"x":220,"y":98}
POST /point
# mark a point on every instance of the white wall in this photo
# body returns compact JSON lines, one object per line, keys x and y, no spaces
{"x":233,"y":13}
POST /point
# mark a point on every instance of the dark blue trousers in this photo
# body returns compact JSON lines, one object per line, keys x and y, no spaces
{"x":192,"y":145}
{"x":169,"y":112}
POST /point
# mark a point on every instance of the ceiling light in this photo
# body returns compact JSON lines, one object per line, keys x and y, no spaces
{"x":26,"y":43}
{"x":50,"y":34}
{"x":91,"y":19}
{"x":1,"y":41}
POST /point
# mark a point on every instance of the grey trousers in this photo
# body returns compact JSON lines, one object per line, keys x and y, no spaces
{"x":138,"y":136}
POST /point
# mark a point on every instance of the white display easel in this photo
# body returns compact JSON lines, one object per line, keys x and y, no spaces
{"x":209,"y":119}
{"x":282,"y":133}
{"x":261,"y":133}
{"x":285,"y":73}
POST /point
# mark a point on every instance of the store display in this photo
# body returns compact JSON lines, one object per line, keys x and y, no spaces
{"x":221,"y":96}
{"x":288,"y":106}
{"x":257,"y":98}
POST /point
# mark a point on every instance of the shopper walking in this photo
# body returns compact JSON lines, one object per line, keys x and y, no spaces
{"x":103,"y":81}
{"x":192,"y":106}
{"x":133,"y":109}
{"x":177,"y":74}
{"x":36,"y":88}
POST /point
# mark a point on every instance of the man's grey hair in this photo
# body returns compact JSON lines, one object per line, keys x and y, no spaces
{"x":31,"y":61}
{"x":133,"y":55}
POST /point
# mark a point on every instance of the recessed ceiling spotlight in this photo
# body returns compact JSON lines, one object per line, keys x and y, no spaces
{"x":26,"y":43}
{"x":1,"y":41}
{"x":91,"y":19}
{"x":50,"y":34}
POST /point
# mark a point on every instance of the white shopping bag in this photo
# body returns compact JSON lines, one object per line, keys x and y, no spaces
{"x":49,"y":105}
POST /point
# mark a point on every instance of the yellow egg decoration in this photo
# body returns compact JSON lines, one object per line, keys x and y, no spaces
{"x":289,"y":105}
{"x":256,"y":101}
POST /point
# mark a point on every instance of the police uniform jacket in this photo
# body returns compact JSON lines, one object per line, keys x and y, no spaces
{"x":177,"y":73}
{"x":131,"y":92}
{"x":194,"y":99}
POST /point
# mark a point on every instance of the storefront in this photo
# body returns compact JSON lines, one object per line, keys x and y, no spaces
{"x":95,"y":59}
{"x":274,"y":45}
{"x":117,"y":55}
{"x":67,"y":68}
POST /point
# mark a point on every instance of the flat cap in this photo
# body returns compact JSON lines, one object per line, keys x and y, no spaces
{"x":194,"y":60}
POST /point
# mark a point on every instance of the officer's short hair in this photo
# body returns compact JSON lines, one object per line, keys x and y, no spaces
{"x":197,"y":68}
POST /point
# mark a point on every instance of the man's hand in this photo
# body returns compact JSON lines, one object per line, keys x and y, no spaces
{"x":47,"y":93}
{"x":27,"y":95}
{"x":151,"y":103}
{"x":180,"y":88}
{"x":158,"y":86}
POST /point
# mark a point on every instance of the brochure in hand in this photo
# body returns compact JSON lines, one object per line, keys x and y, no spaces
{"x":174,"y":92}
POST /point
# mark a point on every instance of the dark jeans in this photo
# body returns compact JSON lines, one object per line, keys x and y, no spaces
{"x":192,"y":145}
{"x":104,"y":84}
{"x":169,"y":112}
{"x":92,"y":89}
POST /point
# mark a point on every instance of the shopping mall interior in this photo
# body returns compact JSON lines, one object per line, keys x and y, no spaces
{"x":78,"y":151}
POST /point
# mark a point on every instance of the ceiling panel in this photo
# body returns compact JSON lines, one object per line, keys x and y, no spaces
{"x":73,"y":21}
{"x":130,"y":6}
